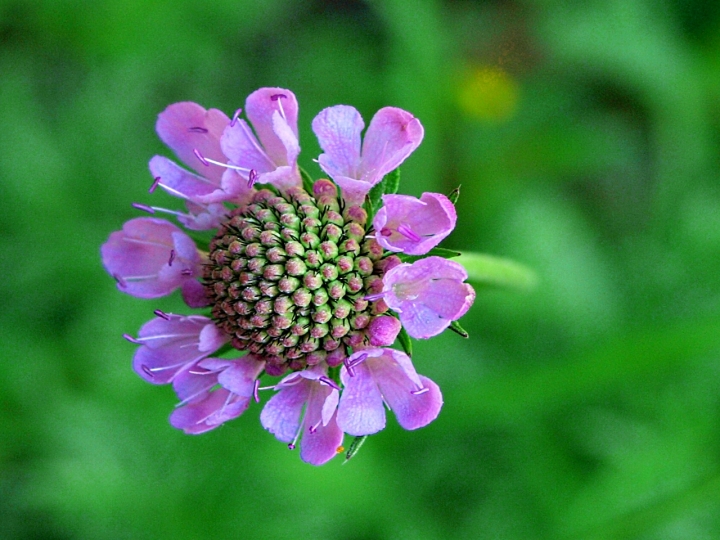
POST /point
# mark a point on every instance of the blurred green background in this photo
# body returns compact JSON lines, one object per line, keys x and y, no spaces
{"x":586,"y":139}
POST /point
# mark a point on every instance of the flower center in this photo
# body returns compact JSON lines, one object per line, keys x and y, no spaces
{"x":288,"y":276}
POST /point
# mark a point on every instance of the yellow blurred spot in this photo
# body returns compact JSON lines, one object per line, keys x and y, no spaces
{"x":488,"y":93}
{"x":340,"y":449}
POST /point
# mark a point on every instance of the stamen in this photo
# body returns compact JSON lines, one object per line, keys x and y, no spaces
{"x":360,"y":358}
{"x":131,"y":339}
{"x":385,"y":231}
{"x":162,"y":314}
{"x":293,"y":444}
{"x":252,"y":178}
{"x":235,"y":117}
{"x":349,"y":368}
{"x":120,"y":280}
{"x":200,"y":157}
{"x":186,"y":272}
{"x":277,"y":97}
{"x":155,"y":184}
{"x":172,"y":257}
{"x":420,"y":391}
{"x":147,"y":371}
{"x":256,"y":387}
{"x":207,"y":162}
{"x":408,"y":233}
{"x":143,"y":207}
{"x":374,"y":296}
{"x":328,"y":381}
{"x":197,"y":130}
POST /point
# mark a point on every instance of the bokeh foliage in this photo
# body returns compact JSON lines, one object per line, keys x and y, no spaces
{"x":585,"y":137}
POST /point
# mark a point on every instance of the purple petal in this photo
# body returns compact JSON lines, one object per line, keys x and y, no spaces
{"x":194,"y":295}
{"x":139,"y":257}
{"x":239,"y":376}
{"x":417,"y":410}
{"x":217,"y":407}
{"x":281,"y":414}
{"x":243,"y":149}
{"x":360,"y":411}
{"x":187,"y":126}
{"x":338,"y":130}
{"x":211,"y":338}
{"x":392,"y":136}
{"x":321,"y":445}
{"x":260,"y":108}
{"x":203,"y":217}
{"x":194,"y":385}
{"x":431,"y":218}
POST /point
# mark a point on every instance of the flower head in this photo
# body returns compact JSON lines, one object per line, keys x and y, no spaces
{"x":294,"y":280}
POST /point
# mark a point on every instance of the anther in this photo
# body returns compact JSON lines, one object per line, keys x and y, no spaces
{"x":276,"y":97}
{"x":197,"y":130}
{"x":252,"y":178}
{"x":144,"y":207}
{"x":235,"y":117}
{"x":156,"y":182}
{"x":147,"y":371}
{"x":131,"y":339}
{"x":162,"y":314}
{"x":172,"y":257}
{"x":200,"y":157}
{"x":186,"y":272}
{"x":256,"y":387}
{"x":385,"y":232}
{"x":360,"y":358}
{"x":120,"y":280}
{"x":374,"y":297}
{"x":420,"y":391}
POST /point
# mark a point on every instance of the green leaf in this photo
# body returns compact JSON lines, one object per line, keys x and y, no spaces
{"x":438,"y":252}
{"x":307,"y":180}
{"x":354,"y":447}
{"x":454,"y":195}
{"x":405,"y":342}
{"x":455,"y":327}
{"x":496,"y":271}
{"x":392,"y":182}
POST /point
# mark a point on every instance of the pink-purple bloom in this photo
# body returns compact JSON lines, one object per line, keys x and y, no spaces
{"x":392,"y":136}
{"x":294,"y":282}
{"x":428,"y":295}
{"x":414,"y":226}
{"x":373,"y":378}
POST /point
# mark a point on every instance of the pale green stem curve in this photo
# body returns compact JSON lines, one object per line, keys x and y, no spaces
{"x":490,"y":270}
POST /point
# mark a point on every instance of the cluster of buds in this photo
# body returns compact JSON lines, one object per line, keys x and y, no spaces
{"x":310,"y":280}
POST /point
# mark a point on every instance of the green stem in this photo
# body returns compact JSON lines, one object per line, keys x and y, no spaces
{"x":490,"y":270}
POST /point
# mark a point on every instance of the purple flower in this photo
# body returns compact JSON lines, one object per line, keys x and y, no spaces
{"x":414,"y":226}
{"x":392,"y":136}
{"x":172,"y":343}
{"x":428,"y":294}
{"x":194,"y":135}
{"x":204,"y":406}
{"x":152,"y":257}
{"x":314,"y":393}
{"x":273,"y":160}
{"x":375,"y":376}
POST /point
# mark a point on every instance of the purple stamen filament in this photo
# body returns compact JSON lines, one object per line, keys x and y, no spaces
{"x":373,"y":297}
{"x":408,"y":233}
{"x":130,"y":338}
{"x":154,"y":185}
{"x":207,"y":162}
{"x":200,"y":157}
